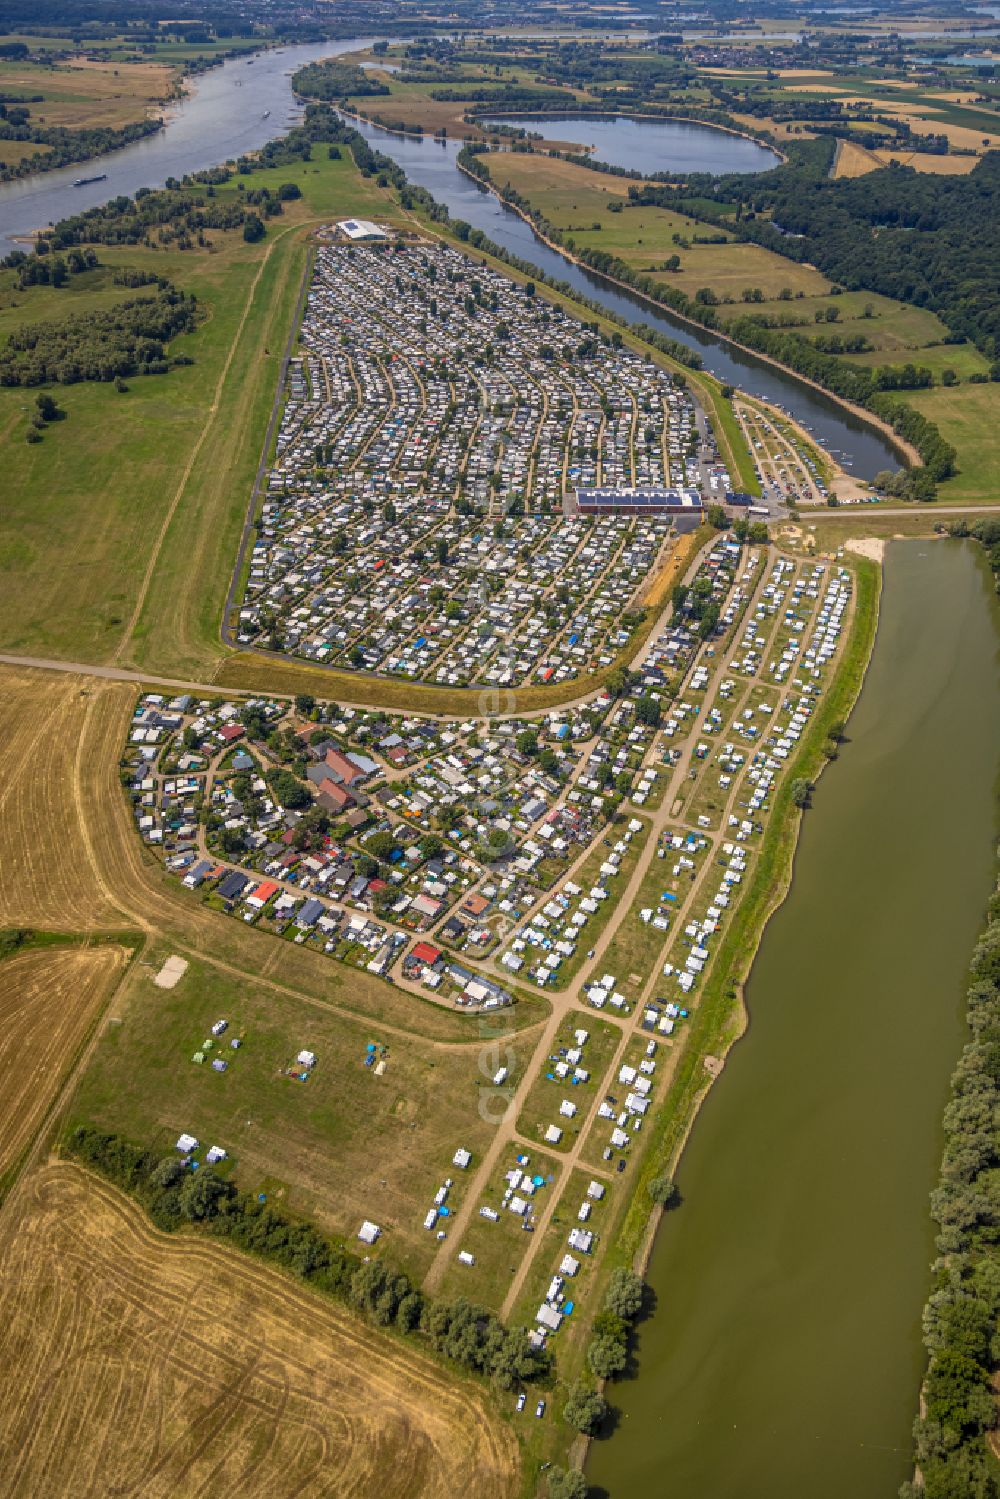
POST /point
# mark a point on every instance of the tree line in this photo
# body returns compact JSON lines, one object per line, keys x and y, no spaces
{"x":105,"y":344}
{"x":336,"y":80}
{"x":960,"y":1320}
{"x":177,"y":215}
{"x":66,"y":146}
{"x":42,"y":270}
{"x":175,"y":1197}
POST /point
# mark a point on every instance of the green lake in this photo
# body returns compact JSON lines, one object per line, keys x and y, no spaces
{"x":783,"y":1356}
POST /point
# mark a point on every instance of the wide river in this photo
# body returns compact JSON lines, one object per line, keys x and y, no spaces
{"x":219,"y":120}
{"x":783,"y":1357}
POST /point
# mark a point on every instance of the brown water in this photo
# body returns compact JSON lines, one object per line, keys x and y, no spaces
{"x":784,"y":1356}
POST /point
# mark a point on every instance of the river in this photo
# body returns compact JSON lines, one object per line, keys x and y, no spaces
{"x":218,"y":121}
{"x":221,"y":117}
{"x":783,"y":1358}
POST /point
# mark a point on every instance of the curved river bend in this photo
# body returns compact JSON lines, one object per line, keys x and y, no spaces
{"x":784,"y":1357}
{"x":219,"y":121}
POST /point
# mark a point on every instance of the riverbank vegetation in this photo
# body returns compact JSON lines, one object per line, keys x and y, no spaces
{"x":954,"y":1446}
{"x":987,"y":532}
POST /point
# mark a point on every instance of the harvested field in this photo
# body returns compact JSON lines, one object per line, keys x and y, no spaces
{"x":58,"y":733}
{"x":853,"y":160}
{"x":86,"y":95}
{"x":926,"y":161}
{"x":48,"y":999}
{"x":135,"y":1362}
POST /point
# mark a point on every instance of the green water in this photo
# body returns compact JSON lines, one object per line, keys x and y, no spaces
{"x":783,"y":1357}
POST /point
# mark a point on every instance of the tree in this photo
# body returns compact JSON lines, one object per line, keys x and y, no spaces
{"x":203,"y":1195}
{"x":663,"y":1190}
{"x":167,"y":1173}
{"x":527,"y":742}
{"x":288,"y":791}
{"x":709,"y":619}
{"x":801,"y":791}
{"x":717,"y":517}
{"x":606,"y":1357}
{"x":47,"y":408}
{"x":566,"y":1483}
{"x":304,"y":703}
{"x":624,"y":1294}
{"x":381,"y":845}
{"x":957,"y":1393}
{"x":253,"y":229}
{"x":408,"y":1311}
{"x":960,"y":1475}
{"x":647,"y":710}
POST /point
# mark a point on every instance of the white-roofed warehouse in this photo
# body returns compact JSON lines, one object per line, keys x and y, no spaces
{"x":360,"y":230}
